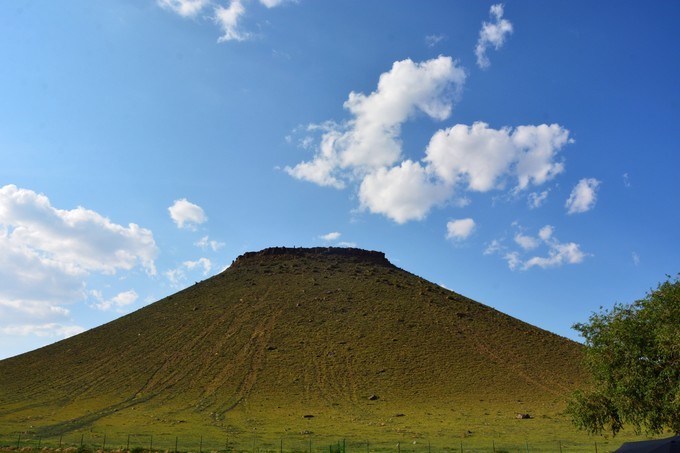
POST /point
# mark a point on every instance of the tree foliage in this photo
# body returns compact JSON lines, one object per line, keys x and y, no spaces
{"x":633,"y":354}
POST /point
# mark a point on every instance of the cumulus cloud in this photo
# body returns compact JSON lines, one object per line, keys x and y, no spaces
{"x":583,"y":196}
{"x":334,"y":236}
{"x":492,"y":34}
{"x":371,"y":138}
{"x":526,"y":242}
{"x":185,"y":8}
{"x":482,"y":158}
{"x":47,"y":254}
{"x":366,"y":150}
{"x":117,"y":302}
{"x":185,"y":214}
{"x":460,"y":229}
{"x":401,"y":193}
{"x":555,"y":253}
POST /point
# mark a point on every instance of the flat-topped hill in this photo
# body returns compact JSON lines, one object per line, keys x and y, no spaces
{"x":285,"y":334}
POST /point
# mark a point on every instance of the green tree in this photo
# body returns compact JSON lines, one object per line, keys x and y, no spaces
{"x":633,"y":354}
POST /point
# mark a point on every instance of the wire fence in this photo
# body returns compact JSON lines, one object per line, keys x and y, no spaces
{"x":149,"y":443}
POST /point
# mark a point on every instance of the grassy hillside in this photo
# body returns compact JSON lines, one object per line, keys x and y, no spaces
{"x":290,"y":342}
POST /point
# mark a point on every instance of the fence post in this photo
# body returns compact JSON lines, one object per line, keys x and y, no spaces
{"x":175,"y":444}
{"x":527,"y":444}
{"x":150,"y":442}
{"x":19,"y":441}
{"x":81,"y":441}
{"x":493,"y":446}
{"x":560,"y":446}
{"x":104,"y":443}
{"x":461,"y":446}
{"x":128,"y":444}
{"x":200,"y":447}
{"x":595,"y":446}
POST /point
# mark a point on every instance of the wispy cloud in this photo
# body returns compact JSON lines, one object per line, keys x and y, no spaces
{"x":226,"y":14}
{"x":228,"y":20}
{"x":583,"y":196}
{"x":178,"y":276}
{"x":433,"y":40}
{"x":206,"y":243}
{"x":185,"y":8}
{"x":556,"y":253}
{"x":536,"y":199}
{"x":492,"y":34}
{"x":626,"y":180}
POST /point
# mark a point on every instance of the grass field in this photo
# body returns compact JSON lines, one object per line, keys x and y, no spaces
{"x":290,"y":345}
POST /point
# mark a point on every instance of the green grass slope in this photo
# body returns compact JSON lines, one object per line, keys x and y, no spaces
{"x":337,"y":342}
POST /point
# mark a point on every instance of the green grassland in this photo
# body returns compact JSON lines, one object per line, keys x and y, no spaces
{"x":292,"y":346}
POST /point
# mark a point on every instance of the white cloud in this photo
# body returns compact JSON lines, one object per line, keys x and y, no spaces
{"x":536,"y":200}
{"x":526,"y":242}
{"x":119,"y":301}
{"x":546,"y":232}
{"x":274,"y":3}
{"x":492,"y":34}
{"x":185,"y":8}
{"x":583,"y":196}
{"x":481,"y":157}
{"x":367,"y":149}
{"x":178,"y":276}
{"x":636,"y":258}
{"x":433,"y":40}
{"x":71,"y":242}
{"x":334,"y":236}
{"x":494,"y":247}
{"x":401,"y":193}
{"x":228,"y":20}
{"x":42,"y":330}
{"x":626,"y":180}
{"x":205,"y":263}
{"x":371,"y":139}
{"x":185,"y":214}
{"x":347,"y":244}
{"x":47,"y":254}
{"x":460,"y":229}
{"x":205,"y":242}
{"x":556,"y":253}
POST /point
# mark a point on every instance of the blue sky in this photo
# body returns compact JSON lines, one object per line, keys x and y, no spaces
{"x":523,"y":154}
